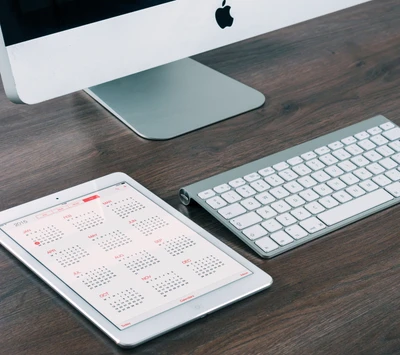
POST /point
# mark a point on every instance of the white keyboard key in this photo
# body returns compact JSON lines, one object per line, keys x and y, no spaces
{"x":260,"y":185}
{"x":232,"y":211}
{"x":293,"y":187}
{"x":271,"y":225}
{"x":328,"y":159}
{"x":395,"y":145}
{"x":355,"y":207}
{"x":250,"y":204}
{"x":381,"y":180}
{"x":307,"y":181}
{"x":360,"y":161}
{"x":314,"y":207}
{"x":347,"y":165}
{"x":354,"y":149}
{"x":312,"y":225}
{"x":266,"y":212}
{"x":237,"y":182}
{"x":295,"y":201}
{"x":302,"y":169}
{"x":322,"y":190}
{"x":320,"y":176}
{"x":379,"y":139}
{"x":286,"y":219}
{"x":315,"y":164}
{"x":328,"y":202}
{"x":300,"y":213}
{"x":362,"y":135}
{"x":394,"y":189}
{"x":309,"y":195}
{"x":388,"y":163}
{"x":349,"y":140}
{"x":252,"y":177}
{"x":355,"y":191}
{"x":206,"y":194}
{"x":221,"y":188}
{"x":392,"y":134}
{"x":387,"y":125}
{"x":279,"y":192}
{"x":246,"y":191}
{"x":281,"y":166}
{"x":375,"y":168}
{"x":393,"y":175}
{"x":349,"y":179}
{"x":336,"y":184}
{"x":322,"y":150}
{"x":280,"y":206}
{"x":231,"y":196}
{"x":288,"y":175}
{"x":282,"y":238}
{"x":335,"y":145}
{"x":266,"y":171}
{"x":265,"y":198}
{"x":295,"y":161}
{"x":246,"y":220}
{"x":341,"y":154}
{"x":296,"y":232}
{"x":366,"y":144}
{"x":255,"y":232}
{"x":342,"y":196}
{"x":266,"y":244}
{"x":274,"y":180}
{"x":216,"y":202}
{"x":368,"y":185}
{"x":396,"y":158}
{"x":385,"y":150}
{"x":309,"y":155}
{"x":362,"y":174}
{"x":298,"y":197}
{"x":374,"y":130}
{"x":334,"y":171}
{"x":373,"y":156}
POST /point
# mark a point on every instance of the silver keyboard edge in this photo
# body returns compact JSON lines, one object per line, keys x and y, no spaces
{"x":192,"y":190}
{"x":282,"y":155}
{"x":310,"y":237}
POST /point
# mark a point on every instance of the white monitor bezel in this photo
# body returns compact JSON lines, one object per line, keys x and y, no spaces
{"x":75,"y":59}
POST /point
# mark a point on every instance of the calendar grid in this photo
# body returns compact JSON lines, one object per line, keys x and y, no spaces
{"x":125,"y":255}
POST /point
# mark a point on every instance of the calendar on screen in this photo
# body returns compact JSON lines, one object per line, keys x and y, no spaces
{"x":125,"y":255}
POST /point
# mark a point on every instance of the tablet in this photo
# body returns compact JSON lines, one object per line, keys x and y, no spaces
{"x":128,"y":261}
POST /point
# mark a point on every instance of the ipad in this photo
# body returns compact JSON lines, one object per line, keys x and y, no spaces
{"x":128,"y":261}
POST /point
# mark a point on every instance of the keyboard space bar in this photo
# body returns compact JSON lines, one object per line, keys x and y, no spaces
{"x":355,"y":207}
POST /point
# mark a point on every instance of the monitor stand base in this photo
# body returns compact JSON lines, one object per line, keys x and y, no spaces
{"x":175,"y":99}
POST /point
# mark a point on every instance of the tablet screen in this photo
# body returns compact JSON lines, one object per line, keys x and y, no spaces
{"x":126,"y":256}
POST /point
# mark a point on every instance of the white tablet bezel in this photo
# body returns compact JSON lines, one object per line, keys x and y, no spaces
{"x":155,"y":325}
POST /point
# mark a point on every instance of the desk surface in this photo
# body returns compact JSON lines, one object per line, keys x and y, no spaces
{"x":339,"y":294}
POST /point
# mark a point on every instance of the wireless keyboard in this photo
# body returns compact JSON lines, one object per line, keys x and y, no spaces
{"x":289,"y":198}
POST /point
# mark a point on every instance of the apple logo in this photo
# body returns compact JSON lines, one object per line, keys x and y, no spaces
{"x":223,"y":16}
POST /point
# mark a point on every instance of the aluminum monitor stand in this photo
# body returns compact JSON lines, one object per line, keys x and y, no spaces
{"x":175,"y":99}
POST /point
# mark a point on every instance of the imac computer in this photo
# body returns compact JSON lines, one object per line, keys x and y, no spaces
{"x":132,"y":55}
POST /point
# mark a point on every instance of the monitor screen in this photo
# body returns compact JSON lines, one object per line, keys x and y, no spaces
{"x":23,"y":20}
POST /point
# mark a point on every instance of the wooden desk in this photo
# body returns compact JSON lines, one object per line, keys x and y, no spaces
{"x":336,"y":295}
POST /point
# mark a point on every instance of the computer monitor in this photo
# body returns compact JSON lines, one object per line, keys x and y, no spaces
{"x":130,"y":54}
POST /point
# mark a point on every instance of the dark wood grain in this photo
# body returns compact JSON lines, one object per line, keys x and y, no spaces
{"x":336,"y":295}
